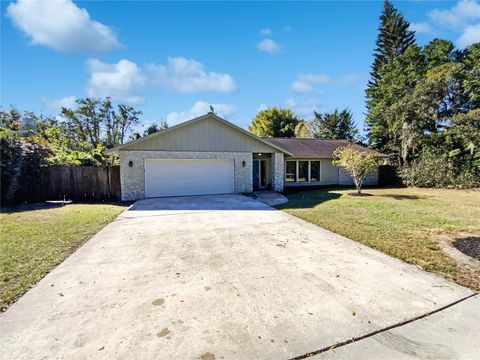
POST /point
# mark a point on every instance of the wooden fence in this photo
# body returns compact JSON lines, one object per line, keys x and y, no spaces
{"x":78,"y":183}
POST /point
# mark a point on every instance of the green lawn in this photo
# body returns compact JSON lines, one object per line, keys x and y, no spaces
{"x":401,"y":222}
{"x":33,"y":242}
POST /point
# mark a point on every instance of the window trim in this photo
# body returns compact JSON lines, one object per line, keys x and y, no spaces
{"x":309,"y":171}
{"x":295,"y":177}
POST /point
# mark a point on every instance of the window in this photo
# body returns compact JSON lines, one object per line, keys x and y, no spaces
{"x":314,"y":171}
{"x":291,"y":171}
{"x":302,"y":171}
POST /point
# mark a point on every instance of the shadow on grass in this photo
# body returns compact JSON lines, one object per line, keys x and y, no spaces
{"x":402,"y":197}
{"x":57,"y":204}
{"x":308,"y":199}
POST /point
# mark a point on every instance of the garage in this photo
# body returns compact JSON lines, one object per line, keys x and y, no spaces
{"x":182,"y":177}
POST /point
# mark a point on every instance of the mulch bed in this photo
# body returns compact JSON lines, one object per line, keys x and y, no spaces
{"x":469,"y":246}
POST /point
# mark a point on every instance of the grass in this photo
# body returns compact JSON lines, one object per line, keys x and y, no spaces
{"x":35,"y":240}
{"x":401,"y":222}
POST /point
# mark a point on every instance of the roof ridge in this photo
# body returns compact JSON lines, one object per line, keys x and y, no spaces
{"x":298,"y":138}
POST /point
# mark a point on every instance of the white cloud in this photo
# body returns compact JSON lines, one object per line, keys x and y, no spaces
{"x":464,"y":17}
{"x":198,"y":109}
{"x":266,"y":32}
{"x":305,"y":82}
{"x":314,"y":78}
{"x":189,"y":76}
{"x":301,"y":87}
{"x":125,"y":81}
{"x":61,"y":25}
{"x":268,"y":45}
{"x":304,"y":108}
{"x":421,"y":28}
{"x":470,"y":35}
{"x":463,"y":13}
{"x":57,"y":104}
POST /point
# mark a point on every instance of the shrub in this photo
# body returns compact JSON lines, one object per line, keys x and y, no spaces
{"x":439,"y":171}
{"x":20,"y":163}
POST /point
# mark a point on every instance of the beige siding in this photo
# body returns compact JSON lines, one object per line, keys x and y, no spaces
{"x":328,"y":172}
{"x":204,"y":135}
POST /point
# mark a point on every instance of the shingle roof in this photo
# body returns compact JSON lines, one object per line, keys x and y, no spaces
{"x":315,"y":147}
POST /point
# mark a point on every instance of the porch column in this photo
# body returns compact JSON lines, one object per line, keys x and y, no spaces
{"x":278,"y":171}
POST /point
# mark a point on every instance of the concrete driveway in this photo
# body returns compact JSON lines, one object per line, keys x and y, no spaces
{"x":227,"y":277}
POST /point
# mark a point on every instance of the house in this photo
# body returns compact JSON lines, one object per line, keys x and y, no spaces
{"x":209,"y":155}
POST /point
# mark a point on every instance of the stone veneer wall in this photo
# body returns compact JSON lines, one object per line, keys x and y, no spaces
{"x":345,"y":179}
{"x":278,"y":171}
{"x":132,"y":179}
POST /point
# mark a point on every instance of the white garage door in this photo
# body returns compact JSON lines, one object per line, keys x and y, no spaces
{"x":178,"y":177}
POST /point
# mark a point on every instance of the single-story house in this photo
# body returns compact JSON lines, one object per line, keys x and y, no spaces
{"x":210,"y":155}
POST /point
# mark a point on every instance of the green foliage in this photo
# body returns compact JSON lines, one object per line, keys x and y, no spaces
{"x":393,"y":39}
{"x":153,"y":128}
{"x":334,"y":125}
{"x":274,"y":122}
{"x":438,"y":52}
{"x":96,"y":123}
{"x":20,"y":163}
{"x":357,"y":163}
{"x":423,"y":106}
{"x":439,"y":170}
{"x":302,"y":130}
{"x":79,"y":137}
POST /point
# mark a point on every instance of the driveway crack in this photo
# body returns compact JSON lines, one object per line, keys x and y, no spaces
{"x":401,"y":323}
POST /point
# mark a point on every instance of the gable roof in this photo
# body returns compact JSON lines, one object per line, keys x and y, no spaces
{"x":115,"y":150}
{"x":303,"y":147}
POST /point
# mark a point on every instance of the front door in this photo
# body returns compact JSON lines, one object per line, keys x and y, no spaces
{"x":259,"y":174}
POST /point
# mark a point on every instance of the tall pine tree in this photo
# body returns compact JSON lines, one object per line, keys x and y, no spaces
{"x":334,"y":125}
{"x":392,"y":41}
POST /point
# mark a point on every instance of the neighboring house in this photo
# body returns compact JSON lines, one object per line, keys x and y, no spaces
{"x":209,"y":155}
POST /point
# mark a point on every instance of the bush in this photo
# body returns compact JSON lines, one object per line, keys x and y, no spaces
{"x":439,"y":171}
{"x":20,"y":163}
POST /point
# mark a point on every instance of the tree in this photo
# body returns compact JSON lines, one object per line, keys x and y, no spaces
{"x":153,"y":128}
{"x":274,"y":122}
{"x":358,"y":164}
{"x":97,"y":124}
{"x":393,"y":40}
{"x":302,"y":130}
{"x":438,"y":52}
{"x":334,"y":125}
{"x":123,"y":120}
{"x":394,"y":119}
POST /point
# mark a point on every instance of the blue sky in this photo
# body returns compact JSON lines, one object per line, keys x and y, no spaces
{"x":171,"y":60}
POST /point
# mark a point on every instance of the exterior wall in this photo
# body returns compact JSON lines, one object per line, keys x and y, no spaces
{"x":133,"y":178}
{"x":328,"y":173}
{"x":208,"y":135}
{"x":345,"y":179}
{"x":278,"y":171}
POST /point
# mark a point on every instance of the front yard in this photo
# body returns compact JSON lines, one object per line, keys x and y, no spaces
{"x":407,"y":223}
{"x":34,"y":240}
